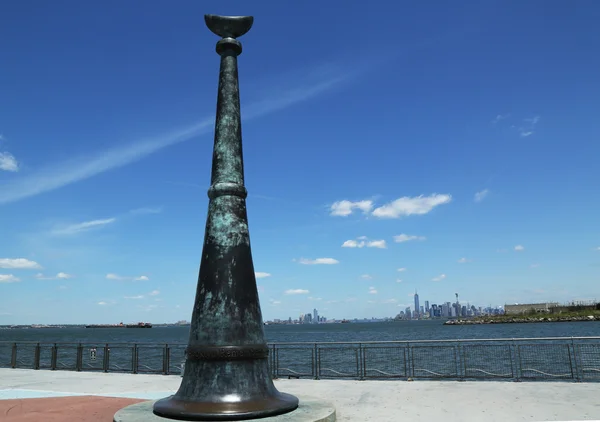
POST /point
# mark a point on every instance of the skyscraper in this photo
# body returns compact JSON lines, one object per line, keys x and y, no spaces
{"x":315,"y":316}
{"x":417,"y":308}
{"x":426,"y":306}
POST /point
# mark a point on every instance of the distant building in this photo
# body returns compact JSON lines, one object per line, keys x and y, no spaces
{"x":517,"y":309}
{"x":417,"y":308}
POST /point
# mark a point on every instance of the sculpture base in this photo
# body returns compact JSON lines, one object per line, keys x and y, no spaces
{"x":309,"y":410}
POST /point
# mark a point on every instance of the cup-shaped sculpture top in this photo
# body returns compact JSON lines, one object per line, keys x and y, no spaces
{"x":229,"y":26}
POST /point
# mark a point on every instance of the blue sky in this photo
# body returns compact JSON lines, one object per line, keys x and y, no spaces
{"x":455,"y":141}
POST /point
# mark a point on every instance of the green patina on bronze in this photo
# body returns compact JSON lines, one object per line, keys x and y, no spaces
{"x":226,"y":375}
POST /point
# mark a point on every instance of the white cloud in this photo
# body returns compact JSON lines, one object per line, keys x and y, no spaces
{"x":112,"y":276}
{"x":362,"y":241}
{"x":401,"y":270}
{"x":480,"y":196}
{"x":314,"y":298}
{"x":398,"y":280}
{"x":275,"y":302}
{"x":439,"y":277}
{"x":407,"y":238}
{"x":154,"y":293}
{"x":82,"y":227}
{"x":9,"y":278}
{"x":345,"y":208}
{"x":519,"y":248}
{"x":102,"y":303}
{"x":372,"y":290}
{"x":8,"y":162}
{"x":353,"y":244}
{"x":463,"y":261}
{"x":389,"y":301}
{"x":319,"y":261}
{"x":406,"y":206}
{"x":19,"y":263}
{"x":261,"y":274}
{"x":296,"y":292}
{"x":146,"y":211}
{"x":63,"y":276}
{"x":80,"y":168}
{"x":134,"y":297}
{"x":366,"y":276}
{"x":377,"y":244}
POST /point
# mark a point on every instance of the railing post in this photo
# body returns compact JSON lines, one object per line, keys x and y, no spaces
{"x":106,"y":358}
{"x":54,"y":358}
{"x":79,"y":361}
{"x":13,"y":357}
{"x":318,"y":365}
{"x":409,"y":363}
{"x":574,"y":360}
{"x":517,"y":360}
{"x":360,"y":369}
{"x":457,"y":357}
{"x":364,"y":362}
{"x":276,"y":366}
{"x":167,"y":360}
{"x":36,"y":357}
{"x":134,"y":359}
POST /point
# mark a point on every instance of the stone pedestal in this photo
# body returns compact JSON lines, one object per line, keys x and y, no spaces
{"x":309,"y":410}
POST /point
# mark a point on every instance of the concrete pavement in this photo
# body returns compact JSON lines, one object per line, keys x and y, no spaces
{"x":381,"y":401}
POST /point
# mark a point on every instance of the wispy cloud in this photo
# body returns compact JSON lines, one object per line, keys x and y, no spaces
{"x":112,"y":276}
{"x":59,"y":276}
{"x":480,"y":196}
{"x":8,"y":162}
{"x":296,"y":292}
{"x":401,"y":270}
{"x":80,"y":168}
{"x":463,"y":261}
{"x":439,"y":277}
{"x":261,"y":275}
{"x":401,"y":238}
{"x":519,"y":248}
{"x":528,"y":127}
{"x":500,"y":117}
{"x":318,"y":261}
{"x":366,"y":276}
{"x":19,"y":263}
{"x":82,"y":227}
{"x":372,"y":290}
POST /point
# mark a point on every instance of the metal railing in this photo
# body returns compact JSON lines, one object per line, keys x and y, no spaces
{"x":550,"y":358}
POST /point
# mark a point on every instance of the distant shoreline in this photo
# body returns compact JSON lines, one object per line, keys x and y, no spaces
{"x":521,"y":320}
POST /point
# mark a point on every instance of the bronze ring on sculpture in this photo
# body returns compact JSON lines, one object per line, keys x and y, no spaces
{"x":226,"y":353}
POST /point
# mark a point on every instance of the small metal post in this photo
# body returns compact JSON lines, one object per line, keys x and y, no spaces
{"x":167,"y":360}
{"x":134,"y":359}
{"x":364,"y":362}
{"x":79,"y":359}
{"x":13,"y":357}
{"x":54,"y":358}
{"x":105,"y":358}
{"x":574,"y":348}
{"x":317,"y":356}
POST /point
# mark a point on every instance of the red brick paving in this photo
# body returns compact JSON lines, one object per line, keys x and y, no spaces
{"x":63,"y":409}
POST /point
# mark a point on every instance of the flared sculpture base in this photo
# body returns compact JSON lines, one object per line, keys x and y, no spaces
{"x":186,"y":410}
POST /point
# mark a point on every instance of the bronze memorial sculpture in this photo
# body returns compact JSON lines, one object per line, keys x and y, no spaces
{"x":226,"y":375}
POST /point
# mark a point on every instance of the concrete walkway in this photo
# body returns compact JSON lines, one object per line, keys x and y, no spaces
{"x":381,"y":401}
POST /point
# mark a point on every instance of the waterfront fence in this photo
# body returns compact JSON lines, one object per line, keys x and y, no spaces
{"x":553,"y":358}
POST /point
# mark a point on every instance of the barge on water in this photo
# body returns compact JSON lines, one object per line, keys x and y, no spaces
{"x":121,"y":325}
